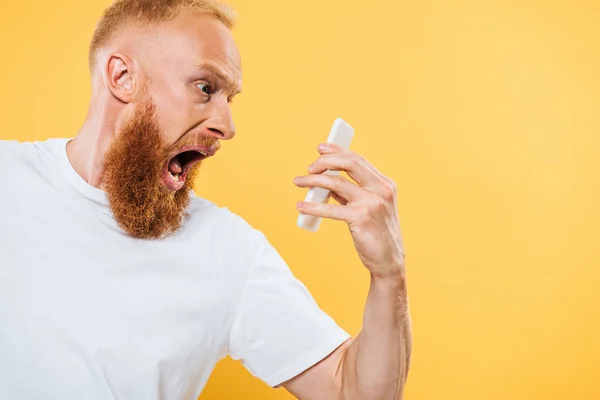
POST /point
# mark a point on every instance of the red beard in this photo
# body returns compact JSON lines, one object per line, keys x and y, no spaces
{"x":139,"y":200}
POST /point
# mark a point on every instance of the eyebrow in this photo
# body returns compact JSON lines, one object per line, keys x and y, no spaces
{"x":220,"y":75}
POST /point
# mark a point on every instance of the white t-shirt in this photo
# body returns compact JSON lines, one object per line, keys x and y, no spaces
{"x":87,"y":312}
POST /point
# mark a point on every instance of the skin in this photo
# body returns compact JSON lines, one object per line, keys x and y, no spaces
{"x":180,"y":59}
{"x":375,"y":364}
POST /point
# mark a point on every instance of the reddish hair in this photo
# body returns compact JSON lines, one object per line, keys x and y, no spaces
{"x":148,"y":13}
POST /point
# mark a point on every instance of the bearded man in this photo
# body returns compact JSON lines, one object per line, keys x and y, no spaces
{"x":118,"y":282}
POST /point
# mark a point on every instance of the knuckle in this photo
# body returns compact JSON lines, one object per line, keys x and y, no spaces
{"x":364,"y":214}
{"x":389,"y":191}
{"x":393,"y":185}
{"x":379,"y":203}
{"x":357,"y":159}
{"x":329,"y":210}
{"x":338,"y":182}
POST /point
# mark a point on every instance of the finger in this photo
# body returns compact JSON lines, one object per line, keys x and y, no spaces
{"x":379,"y":183}
{"x":331,"y":211}
{"x":336,"y":184}
{"x":357,"y":168}
{"x":339,"y":198}
{"x":330,"y":148}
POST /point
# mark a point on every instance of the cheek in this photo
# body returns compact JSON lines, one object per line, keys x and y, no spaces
{"x":175,"y":116}
{"x":172,"y":124}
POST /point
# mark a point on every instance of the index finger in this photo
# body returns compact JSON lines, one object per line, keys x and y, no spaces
{"x":337,"y":158}
{"x":346,"y":161}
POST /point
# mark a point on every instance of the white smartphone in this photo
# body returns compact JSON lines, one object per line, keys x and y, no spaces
{"x":341,"y":134}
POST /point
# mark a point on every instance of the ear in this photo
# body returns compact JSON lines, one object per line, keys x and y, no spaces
{"x":120,"y":77}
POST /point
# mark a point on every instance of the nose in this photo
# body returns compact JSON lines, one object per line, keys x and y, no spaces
{"x":220,"y":124}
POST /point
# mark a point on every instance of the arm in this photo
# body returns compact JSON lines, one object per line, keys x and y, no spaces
{"x":376,"y":365}
{"x":373,"y":366}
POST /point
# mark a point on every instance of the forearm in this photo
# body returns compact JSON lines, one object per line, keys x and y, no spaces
{"x":376,"y":364}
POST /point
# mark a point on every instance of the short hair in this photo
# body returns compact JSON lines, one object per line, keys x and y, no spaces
{"x":150,"y":12}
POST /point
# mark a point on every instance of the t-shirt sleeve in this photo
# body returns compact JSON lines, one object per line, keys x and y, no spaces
{"x":279,"y":330}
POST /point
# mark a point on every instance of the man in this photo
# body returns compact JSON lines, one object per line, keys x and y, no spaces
{"x":117,"y":282}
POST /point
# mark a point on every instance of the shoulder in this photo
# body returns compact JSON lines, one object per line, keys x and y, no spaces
{"x":17,"y":160}
{"x":225,"y":234}
{"x":11,"y":150}
{"x":222,"y":222}
{"x":19,"y":154}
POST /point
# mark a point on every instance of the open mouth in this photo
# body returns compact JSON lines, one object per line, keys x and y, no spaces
{"x":177,"y":168}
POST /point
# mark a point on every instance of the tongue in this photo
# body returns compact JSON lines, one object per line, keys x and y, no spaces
{"x":175,"y":166}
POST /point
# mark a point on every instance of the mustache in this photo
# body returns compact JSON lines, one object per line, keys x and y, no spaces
{"x":194,"y":138}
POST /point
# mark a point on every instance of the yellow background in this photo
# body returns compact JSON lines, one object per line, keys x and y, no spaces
{"x":487,"y":115}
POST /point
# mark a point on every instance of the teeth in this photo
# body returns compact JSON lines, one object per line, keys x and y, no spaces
{"x":174,"y":176}
{"x":201,"y":152}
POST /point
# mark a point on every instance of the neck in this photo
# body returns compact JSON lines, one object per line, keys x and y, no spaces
{"x":86,"y":151}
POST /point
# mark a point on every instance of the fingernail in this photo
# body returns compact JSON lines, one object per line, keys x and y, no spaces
{"x":323,"y":146}
{"x":299,"y":204}
{"x":296,"y":179}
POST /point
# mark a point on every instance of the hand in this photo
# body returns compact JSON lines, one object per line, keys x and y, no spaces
{"x":368,"y":206}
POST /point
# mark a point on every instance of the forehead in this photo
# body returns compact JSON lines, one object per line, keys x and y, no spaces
{"x":193,"y":39}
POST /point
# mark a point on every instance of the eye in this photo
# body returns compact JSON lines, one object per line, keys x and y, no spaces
{"x":205,"y":87}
